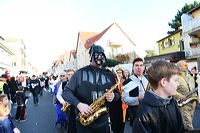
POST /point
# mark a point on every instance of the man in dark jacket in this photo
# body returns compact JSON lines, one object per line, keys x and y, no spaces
{"x":87,"y":85}
{"x":21,"y":104}
{"x":159,"y":112}
{"x":35,"y":88}
{"x":13,"y":88}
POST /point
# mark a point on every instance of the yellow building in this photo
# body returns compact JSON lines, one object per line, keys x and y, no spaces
{"x":171,"y":48}
{"x":183,"y":43}
{"x":171,"y":43}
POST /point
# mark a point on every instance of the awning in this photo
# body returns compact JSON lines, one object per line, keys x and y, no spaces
{"x":171,"y":57}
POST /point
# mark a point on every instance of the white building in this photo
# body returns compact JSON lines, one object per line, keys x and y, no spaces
{"x":191,"y":36}
{"x":113,"y":39}
{"x":6,"y":56}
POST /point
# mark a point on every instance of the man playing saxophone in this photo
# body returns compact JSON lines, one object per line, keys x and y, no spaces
{"x":71,"y":126}
{"x":87,"y":87}
{"x":186,"y":85}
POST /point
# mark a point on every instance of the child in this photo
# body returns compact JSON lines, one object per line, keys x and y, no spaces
{"x":159,"y":112}
{"x":21,"y":107}
{"x":6,"y":124}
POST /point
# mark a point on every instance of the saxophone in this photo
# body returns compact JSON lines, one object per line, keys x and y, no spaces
{"x":86,"y":120}
{"x":188,"y":98}
{"x":65,"y":107}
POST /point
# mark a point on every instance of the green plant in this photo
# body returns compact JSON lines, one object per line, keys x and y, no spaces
{"x":110,"y":63}
{"x":195,"y":43}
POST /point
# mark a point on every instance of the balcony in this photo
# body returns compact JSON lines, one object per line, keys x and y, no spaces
{"x":195,"y":44}
{"x":191,"y":25}
{"x":195,"y":48}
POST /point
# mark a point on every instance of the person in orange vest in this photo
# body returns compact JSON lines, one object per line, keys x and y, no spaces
{"x":118,"y":112}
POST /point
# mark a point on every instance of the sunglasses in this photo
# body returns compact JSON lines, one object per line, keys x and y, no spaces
{"x":62,"y":75}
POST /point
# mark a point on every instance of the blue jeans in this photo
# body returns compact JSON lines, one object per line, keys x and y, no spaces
{"x":35,"y":98}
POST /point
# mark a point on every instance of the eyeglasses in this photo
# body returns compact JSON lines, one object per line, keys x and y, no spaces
{"x":62,"y":75}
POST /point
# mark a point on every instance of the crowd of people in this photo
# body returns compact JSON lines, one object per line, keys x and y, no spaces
{"x":159,"y":99}
{"x":14,"y":93}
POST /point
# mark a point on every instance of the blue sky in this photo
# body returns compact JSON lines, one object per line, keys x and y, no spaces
{"x":50,"y":27}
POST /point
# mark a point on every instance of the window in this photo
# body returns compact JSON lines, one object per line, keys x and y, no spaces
{"x":163,"y":44}
{"x":170,"y":42}
{"x":181,"y":44}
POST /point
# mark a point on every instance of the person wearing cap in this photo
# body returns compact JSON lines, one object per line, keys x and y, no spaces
{"x":87,"y":85}
{"x":118,"y":110}
{"x":186,"y":85}
{"x":134,"y":88}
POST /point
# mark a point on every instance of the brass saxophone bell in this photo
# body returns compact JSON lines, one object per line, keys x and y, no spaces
{"x":65,"y":107}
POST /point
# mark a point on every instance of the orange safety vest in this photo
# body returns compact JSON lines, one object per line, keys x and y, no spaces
{"x":124,"y":106}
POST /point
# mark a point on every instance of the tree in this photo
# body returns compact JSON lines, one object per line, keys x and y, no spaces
{"x":176,"y":22}
{"x":110,"y":63}
{"x":122,"y":58}
{"x":150,"y":53}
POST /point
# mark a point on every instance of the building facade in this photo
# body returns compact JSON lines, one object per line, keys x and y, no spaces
{"x":191,"y":35}
{"x":6,"y":56}
{"x":183,"y":43}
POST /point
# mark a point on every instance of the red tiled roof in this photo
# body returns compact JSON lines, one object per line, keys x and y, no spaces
{"x":83,"y":36}
{"x":86,"y":35}
{"x":90,"y":41}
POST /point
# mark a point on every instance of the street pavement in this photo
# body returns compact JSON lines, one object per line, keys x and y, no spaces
{"x":41,"y":118}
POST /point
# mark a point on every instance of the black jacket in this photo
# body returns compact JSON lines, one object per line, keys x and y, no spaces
{"x":86,"y":85}
{"x":13,"y":87}
{"x":157,"y":115}
{"x":21,"y":98}
{"x":35,"y":86}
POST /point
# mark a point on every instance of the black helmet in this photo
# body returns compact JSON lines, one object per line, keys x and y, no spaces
{"x":95,"y":49}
